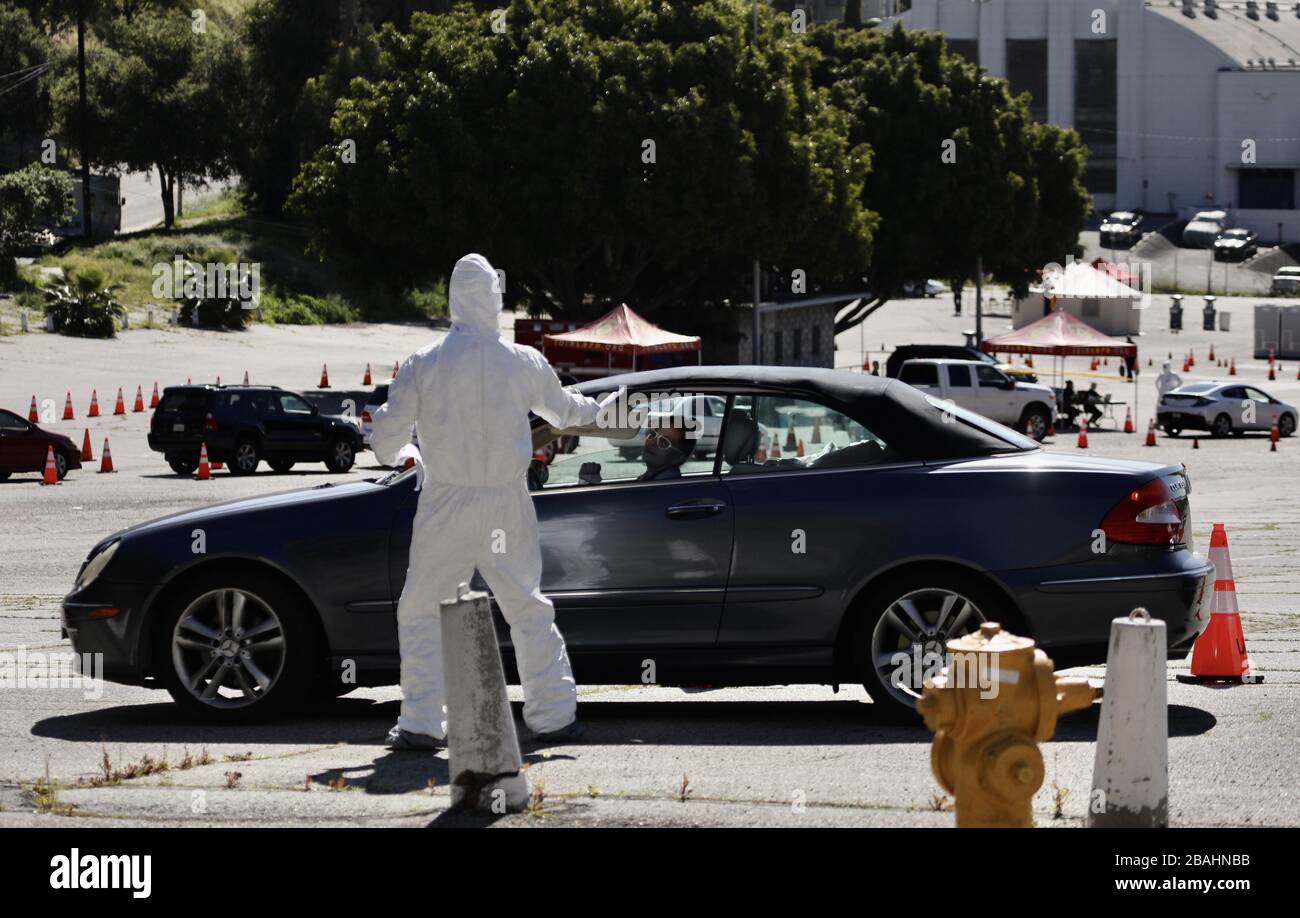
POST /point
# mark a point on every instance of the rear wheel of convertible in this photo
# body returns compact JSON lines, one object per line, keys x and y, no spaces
{"x":908,"y":619}
{"x":236,"y":647}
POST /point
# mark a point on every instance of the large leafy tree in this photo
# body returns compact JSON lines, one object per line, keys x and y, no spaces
{"x":160,"y":95}
{"x":25,"y":113}
{"x":625,"y":150}
{"x":1008,"y":190}
{"x":30,"y":198}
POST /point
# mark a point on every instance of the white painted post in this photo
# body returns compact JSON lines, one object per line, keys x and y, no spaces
{"x":486,"y":767}
{"x":22,"y":320}
{"x":1130,"y":775}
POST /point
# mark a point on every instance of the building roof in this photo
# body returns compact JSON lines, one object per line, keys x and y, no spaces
{"x":1250,"y":43}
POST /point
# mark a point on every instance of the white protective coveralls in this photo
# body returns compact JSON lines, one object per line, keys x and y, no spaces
{"x":468,"y":396}
{"x":1167,"y":381}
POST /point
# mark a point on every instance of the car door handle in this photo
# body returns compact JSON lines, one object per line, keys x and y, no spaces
{"x":695,"y":510}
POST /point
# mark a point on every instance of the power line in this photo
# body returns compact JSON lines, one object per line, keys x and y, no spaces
{"x":5,"y":76}
{"x":25,"y":80}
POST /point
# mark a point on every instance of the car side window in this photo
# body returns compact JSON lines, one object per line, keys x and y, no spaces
{"x":292,"y":404}
{"x":988,"y":376}
{"x":1235,"y":392}
{"x":958,"y":375}
{"x":12,"y":423}
{"x":768,"y":434}
{"x":1257,"y":395}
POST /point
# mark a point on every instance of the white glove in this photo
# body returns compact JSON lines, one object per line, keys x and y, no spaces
{"x":411,"y":451}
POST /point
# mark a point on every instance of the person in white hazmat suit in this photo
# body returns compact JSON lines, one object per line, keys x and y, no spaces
{"x":1167,"y":381}
{"x":468,"y":398}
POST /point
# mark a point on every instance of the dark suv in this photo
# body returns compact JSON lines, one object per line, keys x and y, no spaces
{"x":243,"y":425}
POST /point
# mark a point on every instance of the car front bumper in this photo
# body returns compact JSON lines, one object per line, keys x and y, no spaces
{"x":117,"y":638}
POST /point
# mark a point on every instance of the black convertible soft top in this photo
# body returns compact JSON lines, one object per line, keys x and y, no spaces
{"x":907,"y":420}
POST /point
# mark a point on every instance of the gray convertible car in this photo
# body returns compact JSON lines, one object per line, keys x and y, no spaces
{"x":875,"y":524}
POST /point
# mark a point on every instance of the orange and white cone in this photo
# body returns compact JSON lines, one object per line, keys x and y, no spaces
{"x":86,"y":455}
{"x":1211,"y":351}
{"x":120,"y":407}
{"x":245,"y":377}
{"x":776,"y":446}
{"x":67,"y":408}
{"x":799,"y":450}
{"x":1273,"y":436}
{"x":1128,"y":420}
{"x":139,"y":400}
{"x":1196,"y":442}
{"x":205,"y":470}
{"x":790,"y":440}
{"x":51,"y":475}
{"x":817,"y":431}
{"x":1151,"y":433}
{"x":324,"y":377}
{"x":153,"y":399}
{"x":1272,"y":373}
{"x":93,"y":410}
{"x":365,"y":380}
{"x":1232,"y":367}
{"x":218,"y":379}
{"x":106,"y":459}
{"x":1219,"y":654}
{"x":1083,"y":433}
{"x":33,"y":416}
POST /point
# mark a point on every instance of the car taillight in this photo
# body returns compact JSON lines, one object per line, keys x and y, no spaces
{"x":1146,"y":516}
{"x":209,"y":423}
{"x":365,"y":417}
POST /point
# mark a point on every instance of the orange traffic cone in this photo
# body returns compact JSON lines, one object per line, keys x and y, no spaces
{"x":1272,"y":374}
{"x":866,"y":363}
{"x":365,"y":381}
{"x":1219,"y":654}
{"x":1191,"y":357}
{"x":120,"y":407}
{"x":139,"y":401}
{"x":32,"y":414}
{"x":51,"y":475}
{"x":817,"y":431}
{"x":1092,"y":367}
{"x":1211,"y":351}
{"x":790,"y":437}
{"x":93,"y":410}
{"x":153,"y":399}
{"x":1083,"y":433}
{"x":1151,"y":433}
{"x":1271,"y":356}
{"x":1128,"y":420}
{"x":1232,"y":367}
{"x":1051,"y":427}
{"x":776,"y":446}
{"x":1196,"y":442}
{"x":799,"y":450}
{"x":187,"y":381}
{"x":1186,"y":366}
{"x":324,"y":377}
{"x":67,"y":408}
{"x":1273,"y":436}
{"x":205,"y":470}
{"x":395,"y":369}
{"x":85,"y":448}
{"x":761,"y":454}
{"x":106,"y":459}
{"x":1029,"y":361}
{"x":218,"y":379}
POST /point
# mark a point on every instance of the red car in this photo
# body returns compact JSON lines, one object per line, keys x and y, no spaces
{"x":23,"y":447}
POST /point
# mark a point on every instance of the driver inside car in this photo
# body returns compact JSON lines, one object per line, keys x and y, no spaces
{"x":667,"y":446}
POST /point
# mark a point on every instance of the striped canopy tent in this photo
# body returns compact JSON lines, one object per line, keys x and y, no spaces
{"x":622,"y":331}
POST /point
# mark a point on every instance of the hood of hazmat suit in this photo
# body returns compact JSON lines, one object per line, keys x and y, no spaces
{"x":467,"y":398}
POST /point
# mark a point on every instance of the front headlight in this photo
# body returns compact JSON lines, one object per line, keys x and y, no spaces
{"x":95,"y":566}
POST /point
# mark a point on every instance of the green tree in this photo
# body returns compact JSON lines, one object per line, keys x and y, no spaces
{"x":628,"y":150}
{"x":160,"y":95}
{"x":30,"y":198}
{"x":25,"y":113}
{"x":961,"y":171}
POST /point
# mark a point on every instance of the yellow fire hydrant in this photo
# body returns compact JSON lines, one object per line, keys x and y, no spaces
{"x":993,"y":704}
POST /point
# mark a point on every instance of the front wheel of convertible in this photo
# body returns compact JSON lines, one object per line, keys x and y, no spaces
{"x":902,"y":634}
{"x":237,"y":648}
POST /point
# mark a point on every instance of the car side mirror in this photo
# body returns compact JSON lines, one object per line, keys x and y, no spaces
{"x":1008,"y":384}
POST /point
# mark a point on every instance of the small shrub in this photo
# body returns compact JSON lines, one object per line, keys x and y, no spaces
{"x":84,"y":305}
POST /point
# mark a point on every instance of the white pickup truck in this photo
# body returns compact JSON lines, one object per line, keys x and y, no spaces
{"x":983,"y":388}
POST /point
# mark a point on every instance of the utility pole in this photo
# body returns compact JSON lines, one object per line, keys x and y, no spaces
{"x":979,"y":300}
{"x":85,"y":130}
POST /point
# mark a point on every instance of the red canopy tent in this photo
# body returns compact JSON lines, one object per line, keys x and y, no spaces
{"x":1061,"y":335}
{"x":621,"y":332}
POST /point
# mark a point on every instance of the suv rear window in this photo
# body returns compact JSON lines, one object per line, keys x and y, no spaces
{"x":184,"y":400}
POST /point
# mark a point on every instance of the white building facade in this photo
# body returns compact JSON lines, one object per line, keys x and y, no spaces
{"x":1184,"y":104}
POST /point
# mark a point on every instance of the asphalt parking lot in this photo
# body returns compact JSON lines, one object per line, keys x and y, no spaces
{"x":789,"y":756}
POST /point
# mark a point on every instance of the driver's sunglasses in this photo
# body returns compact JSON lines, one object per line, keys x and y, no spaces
{"x":659,"y":440}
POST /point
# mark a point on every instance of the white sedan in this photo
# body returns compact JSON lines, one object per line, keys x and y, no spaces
{"x":1223,"y":409}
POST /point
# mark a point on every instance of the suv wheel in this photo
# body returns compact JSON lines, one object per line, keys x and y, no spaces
{"x":341,"y":455}
{"x":182,"y":465}
{"x":246,"y":458}
{"x":237,"y":648}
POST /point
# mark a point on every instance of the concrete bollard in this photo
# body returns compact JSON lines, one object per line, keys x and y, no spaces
{"x":486,"y":767}
{"x":22,"y":320}
{"x":1130,"y":775}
